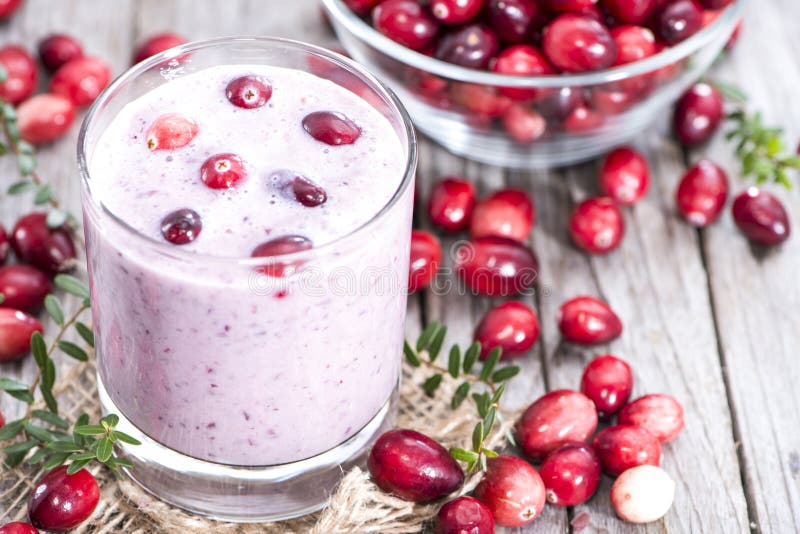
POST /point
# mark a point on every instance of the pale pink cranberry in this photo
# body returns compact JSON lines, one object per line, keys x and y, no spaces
{"x":406,"y":22}
{"x":625,"y":175}
{"x":456,"y":11}
{"x":701,"y":193}
{"x":630,"y":11}
{"x":597,"y":225}
{"x":426,"y":255}
{"x":280,"y":246}
{"x":471,"y":46}
{"x":16,"y":329}
{"x":588,"y":321}
{"x":512,"y":326}
{"x":331,"y":128}
{"x":577,"y":43}
{"x":7,"y":7}
{"x":48,"y":249}
{"x":248,"y":92}
{"x":608,"y":381}
{"x":481,"y":100}
{"x":761,"y":217}
{"x":698,"y":114}
{"x":23,"y":287}
{"x":506,"y":213}
{"x":513,"y":20}
{"x":171,"y":131}
{"x":18,"y":527}
{"x":570,"y":474}
{"x":634,"y":43}
{"x":661,"y":415}
{"x":621,"y":447}
{"x":523,"y":124}
{"x":642,"y":494}
{"x":223,"y":171}
{"x":61,"y":502}
{"x":81,"y":80}
{"x":57,"y":49}
{"x":679,"y":20}
{"x":413,"y":467}
{"x":465,"y":515}
{"x":521,"y":60}
{"x":555,"y":419}
{"x":44,"y":118}
{"x":497,"y":266}
{"x":21,"y":75}
{"x":451,"y":203}
{"x":181,"y":226}
{"x":512,"y":490}
{"x":157,"y":44}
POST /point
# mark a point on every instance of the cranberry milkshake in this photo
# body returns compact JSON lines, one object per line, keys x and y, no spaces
{"x":248,"y":262}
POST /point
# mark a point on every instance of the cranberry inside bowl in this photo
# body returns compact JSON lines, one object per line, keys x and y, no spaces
{"x":529,"y":83}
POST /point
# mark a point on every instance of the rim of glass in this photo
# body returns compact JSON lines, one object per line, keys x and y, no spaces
{"x":389,"y":97}
{"x":373,"y":38}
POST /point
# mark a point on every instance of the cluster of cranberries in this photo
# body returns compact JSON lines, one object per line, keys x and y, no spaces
{"x":539,"y":38}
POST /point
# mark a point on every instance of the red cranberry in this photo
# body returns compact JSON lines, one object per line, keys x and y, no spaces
{"x":465,"y":515}
{"x":48,"y":249}
{"x":698,"y":114}
{"x":81,"y":80}
{"x":512,"y":326}
{"x":497,"y":266}
{"x":57,"y":49}
{"x":44,"y":118}
{"x":456,"y":11}
{"x":157,"y":44}
{"x":761,"y":217}
{"x":630,"y":11}
{"x":171,"y":131}
{"x":634,"y":43}
{"x":21,"y":74}
{"x":679,"y":20}
{"x":555,"y":419}
{"x":223,"y":171}
{"x":521,"y":60}
{"x":413,"y":467}
{"x":512,"y":490}
{"x":18,"y":527}
{"x":625,"y":176}
{"x":308,"y":193}
{"x":507,"y":213}
{"x":16,"y":329}
{"x":472,"y":46}
{"x":621,"y":447}
{"x":406,"y":22}
{"x":362,"y":7}
{"x":7,"y":7}
{"x":597,"y":225}
{"x":616,"y":100}
{"x":588,"y":321}
{"x":61,"y":502}
{"x":23,"y":287}
{"x":524,"y":125}
{"x":2,"y":424}
{"x":608,"y":381}
{"x":565,"y":6}
{"x":557,"y":105}
{"x":426,"y":255}
{"x":576,"y":43}
{"x":480,"y":99}
{"x":701,"y":193}
{"x":331,"y":128}
{"x":451,"y":202}
{"x":181,"y":226}
{"x":661,"y":415}
{"x":582,"y":120}
{"x":512,"y":20}
{"x":4,"y":245}
{"x":287,"y":244}
{"x":248,"y":92}
{"x":570,"y":474}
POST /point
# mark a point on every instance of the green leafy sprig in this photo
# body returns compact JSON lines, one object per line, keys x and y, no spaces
{"x":460,"y":364}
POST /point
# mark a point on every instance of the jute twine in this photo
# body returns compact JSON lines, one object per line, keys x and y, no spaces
{"x":357,"y":505}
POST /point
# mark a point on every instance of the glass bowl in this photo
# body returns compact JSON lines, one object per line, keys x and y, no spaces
{"x":565,"y":119}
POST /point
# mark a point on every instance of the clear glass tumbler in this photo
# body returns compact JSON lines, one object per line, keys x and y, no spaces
{"x":314,"y":373}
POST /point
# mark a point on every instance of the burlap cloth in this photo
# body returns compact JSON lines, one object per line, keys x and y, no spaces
{"x":357,"y":506}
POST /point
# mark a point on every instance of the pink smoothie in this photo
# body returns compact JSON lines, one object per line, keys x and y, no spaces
{"x":198,"y":348}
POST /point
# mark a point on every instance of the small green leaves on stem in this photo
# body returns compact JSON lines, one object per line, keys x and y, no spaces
{"x":761,"y":150}
{"x":72,"y":285}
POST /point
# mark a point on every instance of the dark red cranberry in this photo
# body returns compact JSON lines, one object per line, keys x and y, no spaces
{"x":523,"y":124}
{"x":308,"y":193}
{"x":625,"y":175}
{"x":661,"y":415}
{"x":577,"y":43}
{"x":679,"y":20}
{"x":331,"y":128}
{"x":48,"y":249}
{"x":634,"y":43}
{"x":701,"y":193}
{"x":465,"y":515}
{"x":426,"y":255}
{"x":223,"y":171}
{"x":555,"y":419}
{"x":512,"y":326}
{"x":2,"y":424}
{"x":588,"y":321}
{"x":506,"y":213}
{"x":567,"y":6}
{"x":406,"y":22}
{"x":715,"y":4}
{"x":698,"y":114}
{"x":362,"y":7}
{"x":23,"y":287}
{"x":597,"y":225}
{"x":413,"y":467}
{"x":512,"y":490}
{"x":57,"y":49}
{"x":171,"y":131}
{"x":279,"y":246}
{"x":451,"y":202}
{"x":7,"y":7}
{"x":481,"y":100}
{"x":456,"y":11}
{"x":621,"y":447}
{"x":16,"y":329}
{"x":157,"y":44}
{"x":608,"y":381}
{"x":570,"y":474}
{"x":61,"y":502}
{"x":582,"y":120}
{"x":44,"y":118}
{"x":181,"y":226}
{"x":630,"y":11}
{"x":248,"y":92}
{"x":5,"y":246}
{"x":81,"y":80}
{"x":761,"y":217}
{"x":472,"y":46}
{"x":557,"y":105}
{"x":512,"y":20}
{"x":497,"y":266}
{"x":21,"y":74}
{"x":521,"y":60}
{"x":18,"y":527}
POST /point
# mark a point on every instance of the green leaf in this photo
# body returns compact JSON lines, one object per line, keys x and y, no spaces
{"x":498,"y":394}
{"x":77,"y":465}
{"x":72,"y":285}
{"x":21,"y":187}
{"x":471,"y":356}
{"x":64,"y":446}
{"x":86,"y":333}
{"x":454,"y":361}
{"x":111,"y":420}
{"x":460,"y":394}
{"x":38,"y":456}
{"x":9,"y":384}
{"x":38,"y":432}
{"x":477,"y":436}
{"x":426,"y":336}
{"x":463,"y":455}
{"x":53,"y":307}
{"x":123,"y":437}
{"x":48,"y":374}
{"x":24,"y":396}
{"x":49,"y":399}
{"x":56,"y":218}
{"x":90,"y":430}
{"x":488,"y":421}
{"x":55,"y":460}
{"x":731,"y":92}
{"x":49,"y":417}
{"x":24,"y":446}
{"x":119,"y":462}
{"x":482,"y":401}
{"x":489,"y":453}
{"x":411,"y":355}
{"x":14,"y":459}
{"x":11,"y":429}
{"x":432,"y":384}
{"x":39,"y":349}
{"x":78,"y":456}
{"x":73,"y":350}
{"x":490,"y":363}
{"x":44,"y":194}
{"x":506,"y":373}
{"x":436,"y":344}
{"x":104,"y":449}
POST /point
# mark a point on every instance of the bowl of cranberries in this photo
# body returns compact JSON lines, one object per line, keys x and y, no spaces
{"x":535,"y":83}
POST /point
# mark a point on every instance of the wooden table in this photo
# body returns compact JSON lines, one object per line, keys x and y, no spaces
{"x":708,"y":318}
